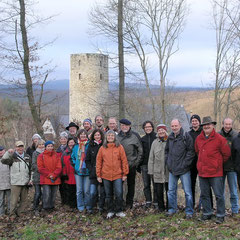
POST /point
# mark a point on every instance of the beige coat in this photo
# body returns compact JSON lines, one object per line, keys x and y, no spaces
{"x":156,"y":162}
{"x":4,"y":176}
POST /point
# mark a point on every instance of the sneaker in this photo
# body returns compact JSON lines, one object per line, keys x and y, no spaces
{"x":120,"y":214}
{"x":219,"y":220}
{"x":110,"y":215}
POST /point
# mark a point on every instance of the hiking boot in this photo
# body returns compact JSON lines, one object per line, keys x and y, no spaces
{"x":110,"y":215}
{"x":148,"y":204}
{"x":120,"y":214}
{"x":205,"y":217}
{"x":219,"y":220}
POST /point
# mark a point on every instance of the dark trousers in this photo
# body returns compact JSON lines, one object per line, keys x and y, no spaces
{"x":49,"y":196}
{"x":97,"y":193}
{"x":160,"y":195}
{"x":194,"y":174}
{"x":70,"y":194}
{"x":131,"y":186}
{"x":147,"y":180}
{"x":115,"y":186}
{"x":37,"y":196}
{"x":216,"y":183}
{"x":62,"y":190}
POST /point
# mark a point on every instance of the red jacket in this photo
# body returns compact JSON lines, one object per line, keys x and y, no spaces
{"x":212,"y":152}
{"x":112,"y":162}
{"x":49,"y":163}
{"x":67,"y":167}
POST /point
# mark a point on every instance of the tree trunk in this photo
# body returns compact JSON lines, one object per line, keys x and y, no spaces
{"x":26,"y":69}
{"x":121,"y":61}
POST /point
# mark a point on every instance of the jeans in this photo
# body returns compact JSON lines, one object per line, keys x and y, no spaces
{"x":232,"y":183}
{"x":83,"y":192}
{"x":131,"y":186}
{"x":147,"y":179}
{"x":172,"y":192}
{"x":49,"y":196}
{"x":115,"y":186}
{"x":4,"y":196}
{"x":217,"y":185}
{"x":238,"y":180}
{"x":160,"y":187}
{"x":94,"y":195}
{"x":37,"y":196}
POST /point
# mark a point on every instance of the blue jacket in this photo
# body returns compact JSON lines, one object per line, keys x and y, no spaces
{"x":75,"y":161}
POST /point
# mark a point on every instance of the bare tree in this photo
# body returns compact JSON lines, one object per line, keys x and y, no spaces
{"x":21,"y":54}
{"x":225,"y":18}
{"x":165,"y":20}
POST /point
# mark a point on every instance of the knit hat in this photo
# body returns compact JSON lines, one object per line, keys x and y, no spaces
{"x":2,"y":148}
{"x":163,"y":126}
{"x":64,"y":135}
{"x":87,"y":120}
{"x":36,"y":136}
{"x":125,"y":121}
{"x":49,"y":142}
{"x":196,"y":117}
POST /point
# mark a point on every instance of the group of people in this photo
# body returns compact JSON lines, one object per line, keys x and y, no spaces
{"x":91,"y":164}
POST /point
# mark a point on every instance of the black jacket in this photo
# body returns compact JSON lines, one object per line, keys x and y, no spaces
{"x":147,"y":141}
{"x":179,"y":153}
{"x":194,"y":134}
{"x":90,"y":160}
{"x":229,"y":165}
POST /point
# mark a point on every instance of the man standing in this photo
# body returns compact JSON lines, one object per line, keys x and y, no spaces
{"x":213,"y":150}
{"x":131,"y":142}
{"x":4,"y":184}
{"x":196,"y":129}
{"x":179,"y":155}
{"x":147,"y":141}
{"x":20,"y":172}
{"x":87,"y":125}
{"x":229,"y":166}
{"x":112,"y":125}
{"x":72,"y":128}
{"x":99,"y":122}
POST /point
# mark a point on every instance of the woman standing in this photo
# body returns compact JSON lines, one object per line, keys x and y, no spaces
{"x":81,"y":171}
{"x":68,"y":178}
{"x":36,"y":175}
{"x":50,"y":168}
{"x":96,"y":141}
{"x":112,"y":169}
{"x":156,"y":165}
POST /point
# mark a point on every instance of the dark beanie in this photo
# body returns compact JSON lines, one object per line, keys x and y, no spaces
{"x":196,"y":117}
{"x":125,"y":121}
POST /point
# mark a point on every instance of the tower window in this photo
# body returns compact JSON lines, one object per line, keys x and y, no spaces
{"x":101,"y":77}
{"x":80,"y":76}
{"x":100,"y":63}
{"x":79,"y":62}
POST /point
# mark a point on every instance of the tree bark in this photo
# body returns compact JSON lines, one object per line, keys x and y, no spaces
{"x":26,"y":69}
{"x":121,"y":61}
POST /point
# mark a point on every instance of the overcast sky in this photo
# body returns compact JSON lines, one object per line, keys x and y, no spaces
{"x":192,"y":65}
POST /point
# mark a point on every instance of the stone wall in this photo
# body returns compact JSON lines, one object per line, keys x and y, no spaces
{"x":88,"y":86}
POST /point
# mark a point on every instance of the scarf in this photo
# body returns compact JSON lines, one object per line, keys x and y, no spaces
{"x":98,"y":142}
{"x":81,"y":152}
{"x":40,"y":150}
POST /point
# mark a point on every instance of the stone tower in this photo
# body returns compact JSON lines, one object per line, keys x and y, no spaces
{"x":88,"y":91}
